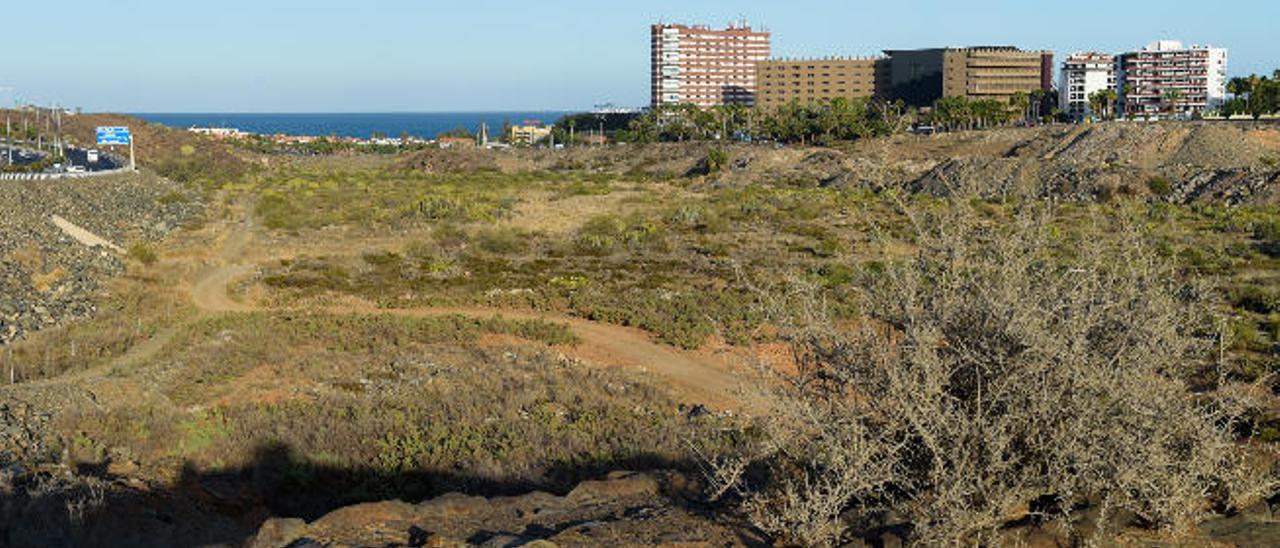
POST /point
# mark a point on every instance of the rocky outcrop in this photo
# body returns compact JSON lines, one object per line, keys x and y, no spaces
{"x":625,"y":509}
{"x":656,"y":509}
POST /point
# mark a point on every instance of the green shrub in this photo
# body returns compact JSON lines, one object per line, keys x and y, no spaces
{"x":172,"y":197}
{"x":1256,"y":299}
{"x":381,"y":258}
{"x":607,"y":234}
{"x":143,"y":252}
{"x":716,"y":160}
{"x":1160,"y":186}
{"x":449,"y":236}
{"x":502,"y":240}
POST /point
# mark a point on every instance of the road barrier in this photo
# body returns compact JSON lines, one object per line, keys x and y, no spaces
{"x":56,"y":176}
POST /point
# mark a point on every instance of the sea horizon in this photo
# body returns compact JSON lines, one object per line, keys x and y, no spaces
{"x":424,"y":124}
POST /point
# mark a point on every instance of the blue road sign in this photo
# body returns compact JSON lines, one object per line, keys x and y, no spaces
{"x":114,"y":136}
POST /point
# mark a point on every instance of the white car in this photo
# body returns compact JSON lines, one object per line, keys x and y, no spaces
{"x":76,"y":169}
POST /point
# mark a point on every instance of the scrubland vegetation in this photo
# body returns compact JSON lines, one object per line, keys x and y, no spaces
{"x":1008,"y":360}
{"x":958,"y":368}
{"x":1005,"y":371}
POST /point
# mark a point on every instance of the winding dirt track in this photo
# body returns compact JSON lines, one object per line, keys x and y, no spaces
{"x":695,"y":377}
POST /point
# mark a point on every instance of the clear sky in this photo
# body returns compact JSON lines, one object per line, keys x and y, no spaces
{"x":429,"y":55}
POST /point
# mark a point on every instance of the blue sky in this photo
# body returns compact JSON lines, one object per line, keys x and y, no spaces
{"x":428,"y":55}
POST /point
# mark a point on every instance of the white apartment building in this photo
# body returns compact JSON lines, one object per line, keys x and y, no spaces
{"x":1167,"y":79}
{"x":706,"y":67}
{"x":1084,"y":74}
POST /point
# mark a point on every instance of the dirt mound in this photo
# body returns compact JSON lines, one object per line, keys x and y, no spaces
{"x":1154,"y":146}
{"x":452,"y":160}
{"x":1178,"y":162}
{"x":1198,"y":161}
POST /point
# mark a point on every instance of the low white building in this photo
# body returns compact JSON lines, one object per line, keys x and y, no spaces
{"x":1084,"y":74}
{"x":1167,"y":79}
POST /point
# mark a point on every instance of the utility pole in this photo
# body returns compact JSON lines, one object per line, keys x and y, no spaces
{"x":8,"y":135}
{"x":57,"y":135}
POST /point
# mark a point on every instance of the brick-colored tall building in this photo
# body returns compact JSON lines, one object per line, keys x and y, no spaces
{"x":694,"y":64}
{"x":782,"y":81}
{"x":921,"y":77}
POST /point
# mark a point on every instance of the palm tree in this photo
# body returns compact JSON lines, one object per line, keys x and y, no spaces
{"x":1020,"y":102}
{"x":1238,"y":86}
{"x":1098,"y":102}
{"x":1126,"y":91}
{"x":1240,"y":89}
{"x":1171,"y":99}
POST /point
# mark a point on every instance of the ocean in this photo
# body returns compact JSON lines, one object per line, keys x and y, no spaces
{"x":418,"y":124}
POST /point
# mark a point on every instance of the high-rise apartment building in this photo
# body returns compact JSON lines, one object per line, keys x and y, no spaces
{"x":783,"y":81}
{"x":706,"y":67}
{"x":1168,"y":79}
{"x":1084,"y":74}
{"x":921,"y":77}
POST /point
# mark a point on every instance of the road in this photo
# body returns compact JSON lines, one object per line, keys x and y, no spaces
{"x":21,"y":156}
{"x":24,"y":155}
{"x":80,"y":157}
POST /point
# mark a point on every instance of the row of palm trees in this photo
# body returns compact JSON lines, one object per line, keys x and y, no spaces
{"x":1254,"y":95}
{"x":1105,"y":103}
{"x":821,"y":122}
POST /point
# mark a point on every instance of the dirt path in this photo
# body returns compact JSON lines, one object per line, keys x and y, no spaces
{"x":694,"y":377}
{"x":83,"y":236}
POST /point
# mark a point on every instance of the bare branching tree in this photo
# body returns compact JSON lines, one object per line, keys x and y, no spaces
{"x":1004,"y":372}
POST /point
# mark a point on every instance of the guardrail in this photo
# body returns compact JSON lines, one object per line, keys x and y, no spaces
{"x":55,"y":176}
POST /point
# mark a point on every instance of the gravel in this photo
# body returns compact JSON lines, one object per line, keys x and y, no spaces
{"x":48,"y":279}
{"x":1222,"y":163}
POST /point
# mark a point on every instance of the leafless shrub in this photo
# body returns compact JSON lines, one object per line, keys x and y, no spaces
{"x":1004,"y":372}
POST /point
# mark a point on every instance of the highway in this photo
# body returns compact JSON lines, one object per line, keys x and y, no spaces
{"x":21,"y":156}
{"x":79,"y":157}
{"x":75,"y":157}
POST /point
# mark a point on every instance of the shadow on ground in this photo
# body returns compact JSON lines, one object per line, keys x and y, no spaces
{"x":89,"y":507}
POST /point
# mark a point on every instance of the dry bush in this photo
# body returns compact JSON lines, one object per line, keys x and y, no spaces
{"x":1004,"y":372}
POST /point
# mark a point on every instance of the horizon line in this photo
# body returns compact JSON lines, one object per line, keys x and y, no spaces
{"x":468,"y":111}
